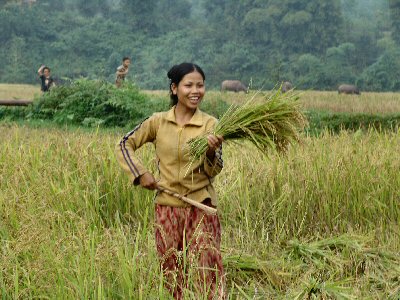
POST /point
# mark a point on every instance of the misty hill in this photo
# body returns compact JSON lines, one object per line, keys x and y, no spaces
{"x":315,"y":44}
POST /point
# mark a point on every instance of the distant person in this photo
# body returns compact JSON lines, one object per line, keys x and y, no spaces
{"x":47,"y":80}
{"x":122,"y":70}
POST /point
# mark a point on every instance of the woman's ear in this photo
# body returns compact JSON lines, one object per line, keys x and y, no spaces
{"x":174,"y":88}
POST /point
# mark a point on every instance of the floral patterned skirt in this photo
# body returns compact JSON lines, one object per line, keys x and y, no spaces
{"x":188,"y":244}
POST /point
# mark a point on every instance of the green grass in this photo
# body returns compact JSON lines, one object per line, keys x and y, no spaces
{"x":318,"y":121}
{"x":319,"y":223}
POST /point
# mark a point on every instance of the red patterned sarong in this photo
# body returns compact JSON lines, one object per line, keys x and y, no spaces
{"x":188,"y":244}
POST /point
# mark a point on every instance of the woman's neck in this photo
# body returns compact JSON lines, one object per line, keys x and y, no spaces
{"x":183,"y":114}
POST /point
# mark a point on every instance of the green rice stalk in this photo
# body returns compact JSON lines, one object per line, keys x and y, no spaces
{"x":273,"y":123}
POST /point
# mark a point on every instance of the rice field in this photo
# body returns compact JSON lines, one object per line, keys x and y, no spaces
{"x":18,"y":91}
{"x":367,"y":102}
{"x":322,"y":222}
{"x":370,"y":103}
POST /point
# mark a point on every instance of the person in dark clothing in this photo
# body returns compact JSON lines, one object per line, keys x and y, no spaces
{"x":47,"y":80}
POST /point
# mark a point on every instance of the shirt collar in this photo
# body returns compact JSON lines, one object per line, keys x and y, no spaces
{"x":196,"y":120}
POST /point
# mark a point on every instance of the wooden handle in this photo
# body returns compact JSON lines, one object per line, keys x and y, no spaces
{"x":209,"y":210}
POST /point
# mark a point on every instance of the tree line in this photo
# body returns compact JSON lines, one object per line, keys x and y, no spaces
{"x":316,"y":44}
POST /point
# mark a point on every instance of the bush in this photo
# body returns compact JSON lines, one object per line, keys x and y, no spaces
{"x":214,"y":106}
{"x":383,"y":75}
{"x":335,"y":122}
{"x":93,"y":103}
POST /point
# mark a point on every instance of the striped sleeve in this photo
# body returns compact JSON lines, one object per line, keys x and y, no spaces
{"x":125,"y":150}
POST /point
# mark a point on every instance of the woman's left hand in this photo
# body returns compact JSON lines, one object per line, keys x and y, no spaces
{"x":214,"y":142}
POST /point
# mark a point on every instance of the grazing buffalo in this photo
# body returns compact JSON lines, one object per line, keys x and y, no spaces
{"x":348,"y":89}
{"x":286,"y":86}
{"x":233,"y":85}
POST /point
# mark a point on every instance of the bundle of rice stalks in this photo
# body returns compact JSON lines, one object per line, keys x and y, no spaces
{"x":273,"y":123}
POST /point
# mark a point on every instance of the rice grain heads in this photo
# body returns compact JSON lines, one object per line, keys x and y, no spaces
{"x":272,"y":123}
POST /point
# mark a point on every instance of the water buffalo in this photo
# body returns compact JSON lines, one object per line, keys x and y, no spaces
{"x":233,"y":85}
{"x":348,"y":89}
{"x":286,"y":86}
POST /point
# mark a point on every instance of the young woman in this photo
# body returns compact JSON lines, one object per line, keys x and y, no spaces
{"x":182,"y":230}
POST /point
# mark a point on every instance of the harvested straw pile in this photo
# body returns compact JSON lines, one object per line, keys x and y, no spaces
{"x":273,"y":123}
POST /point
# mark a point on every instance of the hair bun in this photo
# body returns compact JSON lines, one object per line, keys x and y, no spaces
{"x":171,"y":72}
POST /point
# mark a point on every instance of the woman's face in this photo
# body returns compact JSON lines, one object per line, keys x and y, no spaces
{"x":190,"y":90}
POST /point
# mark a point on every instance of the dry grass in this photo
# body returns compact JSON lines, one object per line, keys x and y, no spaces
{"x":371,"y":103}
{"x":18,"y":91}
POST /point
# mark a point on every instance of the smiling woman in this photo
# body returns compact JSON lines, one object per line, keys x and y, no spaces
{"x":189,"y":93}
{"x":188,"y":240}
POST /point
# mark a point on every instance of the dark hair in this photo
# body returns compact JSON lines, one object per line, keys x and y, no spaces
{"x":46,"y":68}
{"x":177,"y":72}
{"x":126,"y":58}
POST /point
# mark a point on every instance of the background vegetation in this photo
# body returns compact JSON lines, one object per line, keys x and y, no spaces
{"x":93,"y":103}
{"x":315,"y":44}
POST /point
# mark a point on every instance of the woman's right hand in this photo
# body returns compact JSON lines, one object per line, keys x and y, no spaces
{"x":148,"y":181}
